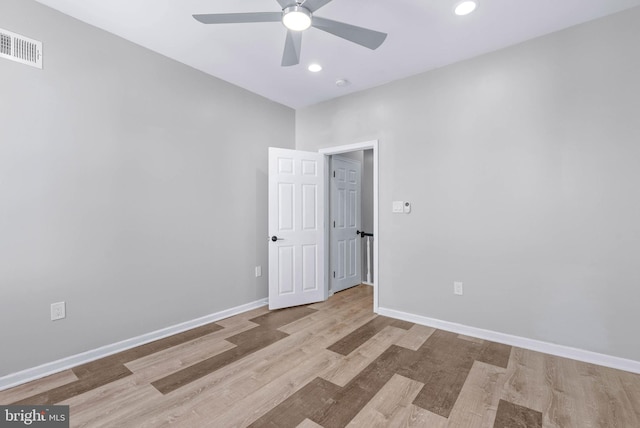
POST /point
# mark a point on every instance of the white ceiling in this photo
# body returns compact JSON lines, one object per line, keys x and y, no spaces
{"x":422,"y":35}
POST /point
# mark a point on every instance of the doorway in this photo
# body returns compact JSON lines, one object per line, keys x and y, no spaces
{"x":371,"y":148}
{"x":345,"y":223}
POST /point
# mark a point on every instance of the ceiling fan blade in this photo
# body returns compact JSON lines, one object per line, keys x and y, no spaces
{"x":285,"y":3}
{"x":292,"y":45}
{"x":364,"y":37}
{"x":314,"y":5}
{"x":237,"y":18}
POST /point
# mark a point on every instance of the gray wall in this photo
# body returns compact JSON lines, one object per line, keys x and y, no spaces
{"x":131,"y":186}
{"x":523,"y":168}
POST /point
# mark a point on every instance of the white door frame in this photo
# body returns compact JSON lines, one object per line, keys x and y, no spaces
{"x":367,"y":145}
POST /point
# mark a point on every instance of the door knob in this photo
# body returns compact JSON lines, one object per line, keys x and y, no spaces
{"x":274,"y":238}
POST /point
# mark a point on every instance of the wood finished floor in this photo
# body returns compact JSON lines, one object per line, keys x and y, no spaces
{"x":335,"y":364}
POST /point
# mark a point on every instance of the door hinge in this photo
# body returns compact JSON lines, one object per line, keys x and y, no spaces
{"x":334,"y":223}
{"x":334,"y":174}
{"x":334,"y":273}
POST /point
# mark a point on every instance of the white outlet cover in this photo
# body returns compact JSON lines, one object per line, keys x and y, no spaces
{"x":58,"y":311}
{"x":258,"y":271}
{"x":398,"y":206}
{"x":457,"y":288}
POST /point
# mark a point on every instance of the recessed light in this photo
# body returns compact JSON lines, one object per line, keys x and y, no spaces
{"x":465,"y":7}
{"x":314,"y":68}
{"x":341,"y":83}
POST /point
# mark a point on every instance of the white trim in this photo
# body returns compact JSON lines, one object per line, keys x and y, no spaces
{"x":521,"y":342}
{"x":367,"y":145}
{"x":24,"y":376}
{"x":367,"y":283}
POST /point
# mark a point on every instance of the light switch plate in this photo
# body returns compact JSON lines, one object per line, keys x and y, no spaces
{"x":398,"y":206}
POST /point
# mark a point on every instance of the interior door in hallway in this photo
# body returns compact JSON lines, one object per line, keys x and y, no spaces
{"x":296,"y":228}
{"x":346,"y":219}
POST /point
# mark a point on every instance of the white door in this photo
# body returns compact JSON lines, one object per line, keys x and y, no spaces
{"x":296,"y":228}
{"x":346,"y":248}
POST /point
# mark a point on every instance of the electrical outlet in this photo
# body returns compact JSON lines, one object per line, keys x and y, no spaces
{"x":457,"y":288}
{"x":258,"y":271}
{"x":58,"y":311}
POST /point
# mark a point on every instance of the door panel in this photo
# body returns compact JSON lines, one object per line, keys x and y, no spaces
{"x":309,"y":206}
{"x":353,"y":209}
{"x":285,"y":270}
{"x":346,"y":257}
{"x":285,"y":206}
{"x":309,"y":268}
{"x":296,"y":219}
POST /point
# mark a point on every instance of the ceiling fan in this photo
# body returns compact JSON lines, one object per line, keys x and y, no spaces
{"x":298,"y":16}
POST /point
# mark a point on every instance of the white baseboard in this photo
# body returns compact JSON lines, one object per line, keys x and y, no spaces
{"x":521,"y":342}
{"x":50,"y":368}
{"x":367,"y":283}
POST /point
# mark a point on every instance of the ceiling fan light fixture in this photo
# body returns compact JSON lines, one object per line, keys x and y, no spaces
{"x":296,"y":18}
{"x":465,"y":7}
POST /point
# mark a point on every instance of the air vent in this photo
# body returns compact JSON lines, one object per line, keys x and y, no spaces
{"x":20,"y":49}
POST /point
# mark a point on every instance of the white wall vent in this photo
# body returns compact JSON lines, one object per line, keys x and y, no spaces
{"x":20,"y":49}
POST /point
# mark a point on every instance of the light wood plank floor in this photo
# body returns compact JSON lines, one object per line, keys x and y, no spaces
{"x":335,"y":364}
